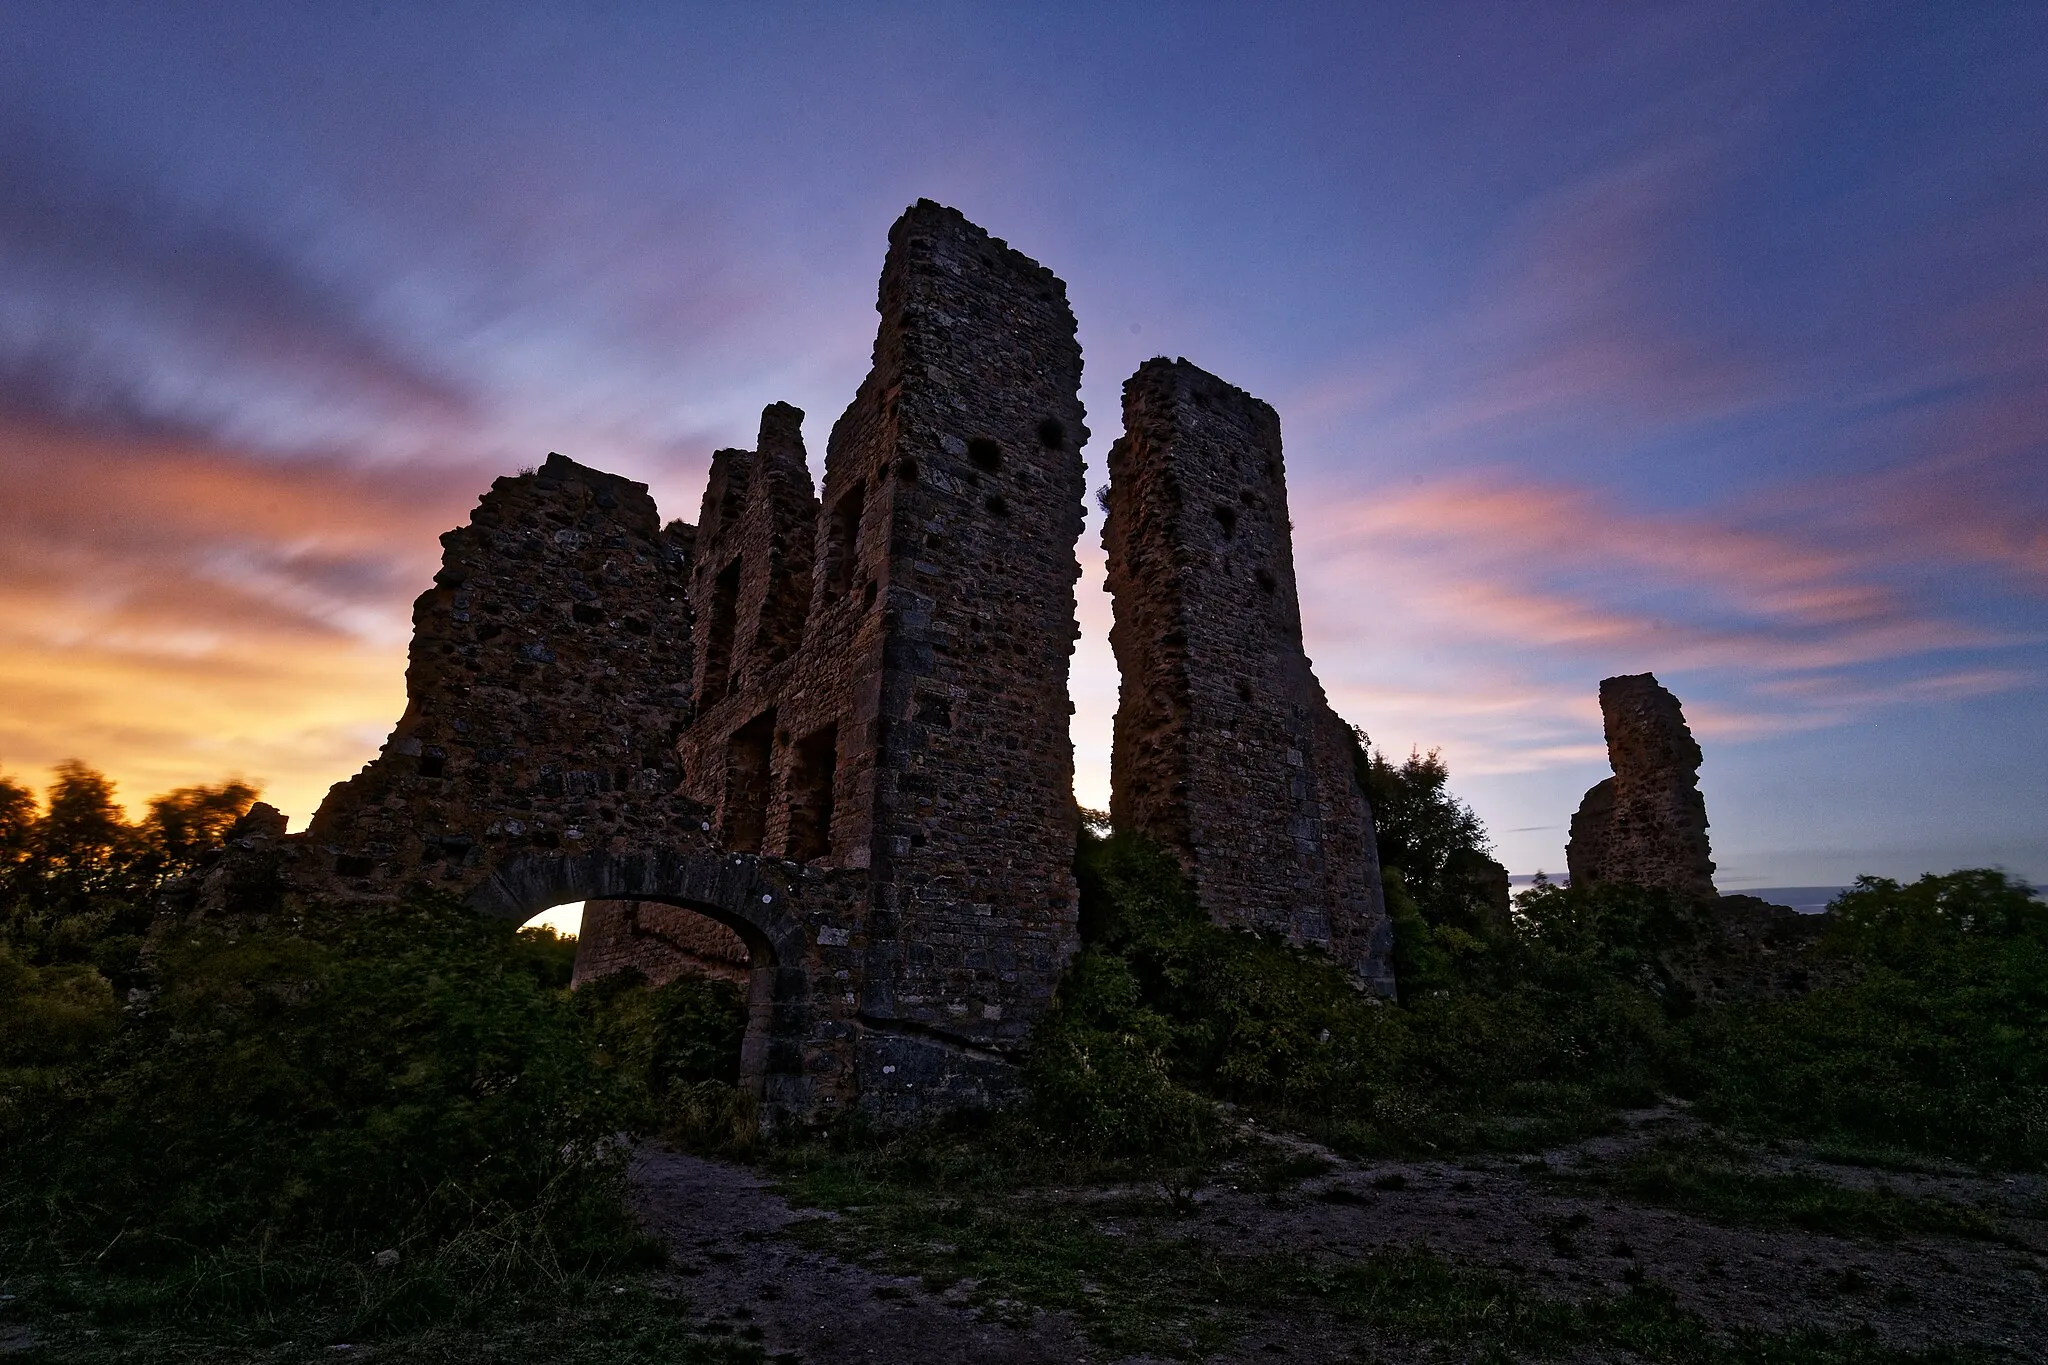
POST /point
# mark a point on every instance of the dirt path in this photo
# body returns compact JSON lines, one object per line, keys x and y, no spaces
{"x":721,"y":1224}
{"x":1559,"y":1237}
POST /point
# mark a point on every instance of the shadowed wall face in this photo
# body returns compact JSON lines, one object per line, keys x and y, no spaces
{"x":875,"y":776}
{"x":544,"y":689}
{"x":1646,"y":825}
{"x":661,"y":942}
{"x":1226,"y":749}
{"x":911,"y":720}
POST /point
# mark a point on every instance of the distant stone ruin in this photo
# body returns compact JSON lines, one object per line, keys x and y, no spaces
{"x":1647,"y":824}
{"x":1226,"y":749}
{"x":820,"y":743}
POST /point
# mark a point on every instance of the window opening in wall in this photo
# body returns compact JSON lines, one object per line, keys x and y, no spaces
{"x":986,"y":454}
{"x":725,"y":606}
{"x":810,"y":795}
{"x":746,"y":783}
{"x":842,"y":537}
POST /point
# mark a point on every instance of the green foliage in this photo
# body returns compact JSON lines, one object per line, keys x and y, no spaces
{"x":1714,"y":1182}
{"x":1446,"y":897}
{"x":384,"y":1086}
{"x":218,"y":1135}
{"x":549,"y":956}
{"x":1142,"y":1282}
{"x":1937,"y":1043}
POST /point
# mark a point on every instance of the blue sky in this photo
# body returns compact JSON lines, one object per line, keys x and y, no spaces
{"x":1710,"y":340}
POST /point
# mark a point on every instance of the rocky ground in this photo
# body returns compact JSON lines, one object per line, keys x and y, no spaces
{"x":1549,"y":1223}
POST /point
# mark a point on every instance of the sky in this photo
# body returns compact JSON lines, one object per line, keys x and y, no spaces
{"x":1708,"y":340}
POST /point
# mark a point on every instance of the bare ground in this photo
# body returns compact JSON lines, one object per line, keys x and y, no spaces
{"x":1559,"y":1236}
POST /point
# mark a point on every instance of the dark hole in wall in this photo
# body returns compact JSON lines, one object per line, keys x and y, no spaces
{"x":934,"y":711}
{"x":353,"y":865}
{"x":587,"y":614}
{"x":869,"y":593}
{"x":746,"y":783}
{"x":1244,"y":692}
{"x":841,"y":538}
{"x":986,"y":454}
{"x":996,"y":506}
{"x":1226,"y":517}
{"x":810,"y":795}
{"x":1267,"y":583}
{"x":725,"y":605}
{"x":433,"y":765}
{"x":906,"y":470}
{"x":1052,"y":433}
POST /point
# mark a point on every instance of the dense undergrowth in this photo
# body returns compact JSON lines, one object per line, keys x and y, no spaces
{"x":400,"y":1123}
{"x":1936,"y":1043}
{"x":380,"y":1123}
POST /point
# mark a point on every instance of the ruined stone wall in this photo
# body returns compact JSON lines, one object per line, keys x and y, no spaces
{"x":916,"y":739}
{"x":1646,"y":825}
{"x":1226,"y":749}
{"x":544,"y":690}
{"x":661,"y":942}
{"x":837,"y":726}
{"x":535,"y":764}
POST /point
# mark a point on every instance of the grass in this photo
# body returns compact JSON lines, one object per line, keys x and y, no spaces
{"x":1140,"y":1280}
{"x":1714,"y":1182}
{"x":612,"y":1321}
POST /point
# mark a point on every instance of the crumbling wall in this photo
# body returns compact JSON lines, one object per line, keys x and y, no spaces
{"x":661,"y":942}
{"x":544,"y":689}
{"x":1647,"y":824}
{"x":1226,"y":749}
{"x":916,"y":737}
{"x":836,"y":726}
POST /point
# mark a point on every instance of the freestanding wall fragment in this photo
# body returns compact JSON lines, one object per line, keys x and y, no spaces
{"x":1647,"y":824}
{"x":1226,"y":749}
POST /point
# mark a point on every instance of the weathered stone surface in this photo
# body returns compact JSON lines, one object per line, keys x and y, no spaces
{"x":823,"y":740}
{"x":1646,"y":825}
{"x":1226,"y":749}
{"x":837,"y":729}
{"x":544,"y":692}
{"x":661,"y":942}
{"x":916,"y":736}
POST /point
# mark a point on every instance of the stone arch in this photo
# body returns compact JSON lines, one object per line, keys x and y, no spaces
{"x":740,"y":891}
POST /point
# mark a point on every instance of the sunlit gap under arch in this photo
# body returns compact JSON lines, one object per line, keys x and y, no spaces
{"x":566,"y":920}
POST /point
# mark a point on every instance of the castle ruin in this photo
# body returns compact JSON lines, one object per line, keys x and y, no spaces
{"x":1226,"y":750}
{"x":1647,"y":824}
{"x":819,"y":741}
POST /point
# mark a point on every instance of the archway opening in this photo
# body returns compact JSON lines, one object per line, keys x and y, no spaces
{"x":705,"y":1009}
{"x":696,"y":922}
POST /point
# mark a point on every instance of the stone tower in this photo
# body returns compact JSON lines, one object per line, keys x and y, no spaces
{"x":1226,"y":749}
{"x":905,"y":716}
{"x":1647,"y":824}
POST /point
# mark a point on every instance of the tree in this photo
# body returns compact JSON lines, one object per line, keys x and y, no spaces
{"x":1445,"y":894}
{"x":82,"y":834}
{"x":187,"y":821}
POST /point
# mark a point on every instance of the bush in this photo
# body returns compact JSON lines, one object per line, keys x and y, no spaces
{"x":1937,"y":1044}
{"x":385,"y":1087}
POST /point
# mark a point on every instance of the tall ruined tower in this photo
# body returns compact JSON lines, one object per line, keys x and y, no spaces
{"x":1226,"y":749}
{"x":1647,"y":824}
{"x":906,"y":714}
